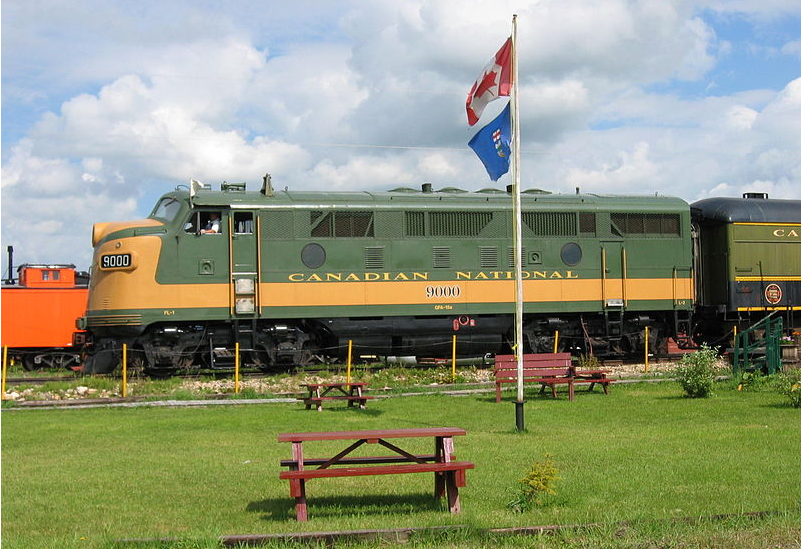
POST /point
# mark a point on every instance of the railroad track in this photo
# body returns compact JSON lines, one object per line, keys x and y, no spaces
{"x":19,"y":380}
{"x":250,"y":374}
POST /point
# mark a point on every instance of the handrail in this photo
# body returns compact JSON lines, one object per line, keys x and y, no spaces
{"x":257,"y":297}
{"x":231,"y":297}
{"x":770,"y":342}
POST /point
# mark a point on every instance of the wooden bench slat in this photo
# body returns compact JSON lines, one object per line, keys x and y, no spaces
{"x":541,"y":380}
{"x":533,"y":357}
{"x":361,"y":460}
{"x":555,"y":372}
{"x":317,"y":399}
{"x":373,"y":433}
{"x":352,"y":384}
{"x":377,"y":470}
{"x":534,"y":364}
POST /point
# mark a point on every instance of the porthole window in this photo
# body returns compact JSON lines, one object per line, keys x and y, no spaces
{"x":571,"y":254}
{"x":313,"y":255}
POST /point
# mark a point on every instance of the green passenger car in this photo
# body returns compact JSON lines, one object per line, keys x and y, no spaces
{"x":749,"y":261}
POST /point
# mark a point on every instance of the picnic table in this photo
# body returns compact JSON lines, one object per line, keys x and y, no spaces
{"x":449,"y":475}
{"x":318,"y":392}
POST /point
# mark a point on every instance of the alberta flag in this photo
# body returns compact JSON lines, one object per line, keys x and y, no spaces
{"x":492,"y":145}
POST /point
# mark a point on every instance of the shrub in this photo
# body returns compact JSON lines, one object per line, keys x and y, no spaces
{"x":538,"y":483}
{"x":788,"y":384}
{"x":589,"y":361}
{"x":696,"y":372}
{"x":752,"y":381}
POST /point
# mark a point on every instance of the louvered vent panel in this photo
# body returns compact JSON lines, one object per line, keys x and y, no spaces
{"x":511,"y":256}
{"x":415,"y":224}
{"x":458,"y":223}
{"x":374,"y":257}
{"x":341,"y":224}
{"x":488,"y":257}
{"x":441,"y":257}
{"x":551,"y":223}
{"x":646,"y":224}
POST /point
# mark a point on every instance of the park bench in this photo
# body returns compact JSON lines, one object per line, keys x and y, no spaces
{"x":449,"y":474}
{"x":350,"y":392}
{"x":547,"y":369}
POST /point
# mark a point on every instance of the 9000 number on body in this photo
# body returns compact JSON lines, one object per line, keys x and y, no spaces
{"x":437,"y":292}
{"x":115,"y":261}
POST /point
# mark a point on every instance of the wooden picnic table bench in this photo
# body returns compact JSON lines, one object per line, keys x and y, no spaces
{"x":449,"y":475}
{"x":593,"y":377}
{"x":549,"y":370}
{"x":318,"y":392}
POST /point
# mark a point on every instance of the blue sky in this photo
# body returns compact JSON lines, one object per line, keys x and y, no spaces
{"x":105,"y":106}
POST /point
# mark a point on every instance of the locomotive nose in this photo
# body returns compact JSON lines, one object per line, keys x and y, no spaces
{"x":98,"y":231}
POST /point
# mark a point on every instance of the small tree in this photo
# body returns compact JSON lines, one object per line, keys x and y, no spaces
{"x":696,"y":372}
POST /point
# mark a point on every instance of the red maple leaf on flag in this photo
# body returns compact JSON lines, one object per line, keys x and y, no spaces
{"x":495,"y":81}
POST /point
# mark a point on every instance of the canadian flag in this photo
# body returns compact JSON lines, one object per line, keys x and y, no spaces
{"x":495,"y":81}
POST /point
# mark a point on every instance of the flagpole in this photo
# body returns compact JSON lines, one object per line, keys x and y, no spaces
{"x":516,"y":190}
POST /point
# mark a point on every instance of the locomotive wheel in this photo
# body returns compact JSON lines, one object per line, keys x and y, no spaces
{"x":163,"y":371}
{"x":28,"y":363}
{"x":305,"y":358}
{"x":105,"y":360}
{"x":136,"y":362}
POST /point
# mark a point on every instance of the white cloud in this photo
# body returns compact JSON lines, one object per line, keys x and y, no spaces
{"x":48,"y":206}
{"x":231,"y":93}
{"x":626,"y":174}
{"x":741,"y":117}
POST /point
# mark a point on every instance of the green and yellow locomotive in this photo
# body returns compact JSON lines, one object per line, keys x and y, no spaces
{"x":291,"y":276}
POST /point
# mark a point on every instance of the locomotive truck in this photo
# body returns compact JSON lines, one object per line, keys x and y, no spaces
{"x":293,"y":276}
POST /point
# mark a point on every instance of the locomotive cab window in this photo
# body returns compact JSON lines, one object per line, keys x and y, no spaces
{"x":166,"y":209}
{"x":204,"y":223}
{"x":243,"y":223}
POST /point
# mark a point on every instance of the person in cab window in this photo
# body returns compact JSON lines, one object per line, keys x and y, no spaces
{"x":213,"y":225}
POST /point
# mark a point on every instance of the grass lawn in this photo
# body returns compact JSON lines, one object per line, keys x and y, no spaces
{"x":83,"y":478}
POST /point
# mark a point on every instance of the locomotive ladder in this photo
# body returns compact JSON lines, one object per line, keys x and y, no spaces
{"x":683,"y":327}
{"x":614,"y":322}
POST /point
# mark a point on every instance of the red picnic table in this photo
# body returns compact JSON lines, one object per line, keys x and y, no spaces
{"x":318,"y":392}
{"x":449,"y":475}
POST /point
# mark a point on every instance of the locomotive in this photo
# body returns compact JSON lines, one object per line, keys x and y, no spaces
{"x":39,"y":309}
{"x":294,"y":276}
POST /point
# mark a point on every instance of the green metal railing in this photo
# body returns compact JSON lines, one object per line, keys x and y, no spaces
{"x":758,"y":347}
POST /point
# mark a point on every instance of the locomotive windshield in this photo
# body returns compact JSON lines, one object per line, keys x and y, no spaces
{"x":166,"y":209}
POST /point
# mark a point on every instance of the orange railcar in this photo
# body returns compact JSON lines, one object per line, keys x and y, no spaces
{"x":38,"y":315}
